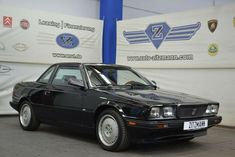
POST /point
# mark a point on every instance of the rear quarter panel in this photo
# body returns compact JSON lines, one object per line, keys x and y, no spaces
{"x":30,"y":91}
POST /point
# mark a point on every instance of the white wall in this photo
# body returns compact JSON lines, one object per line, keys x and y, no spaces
{"x":82,"y":8}
{"x":142,"y":8}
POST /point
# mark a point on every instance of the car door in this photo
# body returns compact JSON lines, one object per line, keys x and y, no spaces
{"x":40,"y":97}
{"x":66,"y":99}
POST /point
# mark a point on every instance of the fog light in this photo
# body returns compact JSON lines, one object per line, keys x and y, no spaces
{"x":132,"y":123}
{"x":162,"y":125}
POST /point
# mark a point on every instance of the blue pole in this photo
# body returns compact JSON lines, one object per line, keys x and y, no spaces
{"x":110,"y":12}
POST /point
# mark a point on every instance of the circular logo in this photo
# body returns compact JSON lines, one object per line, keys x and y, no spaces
{"x":213,"y":49}
{"x":24,"y":24}
{"x":67,"y":40}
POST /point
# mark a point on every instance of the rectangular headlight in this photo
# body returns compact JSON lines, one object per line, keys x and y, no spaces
{"x":155,"y":112}
{"x":168,"y":112}
{"x":212,"y":109}
{"x":208,"y":110}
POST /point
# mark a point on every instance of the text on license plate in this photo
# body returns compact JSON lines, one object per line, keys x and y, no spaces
{"x":195,"y":125}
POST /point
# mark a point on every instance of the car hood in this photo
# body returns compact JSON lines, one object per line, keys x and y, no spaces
{"x":160,"y":96}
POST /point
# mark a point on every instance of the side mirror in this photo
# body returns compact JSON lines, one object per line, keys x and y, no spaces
{"x":155,"y":84}
{"x":75,"y":82}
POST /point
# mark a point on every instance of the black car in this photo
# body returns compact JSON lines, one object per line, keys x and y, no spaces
{"x":115,"y":102}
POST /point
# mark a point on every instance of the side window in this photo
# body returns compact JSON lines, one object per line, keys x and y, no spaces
{"x":46,"y":76}
{"x":95,"y":78}
{"x":65,"y":73}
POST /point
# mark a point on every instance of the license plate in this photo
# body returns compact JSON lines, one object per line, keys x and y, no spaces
{"x":195,"y":125}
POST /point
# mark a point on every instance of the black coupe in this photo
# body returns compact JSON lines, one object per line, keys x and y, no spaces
{"x":115,"y":102}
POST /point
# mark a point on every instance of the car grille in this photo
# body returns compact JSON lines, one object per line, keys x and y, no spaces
{"x":191,"y":111}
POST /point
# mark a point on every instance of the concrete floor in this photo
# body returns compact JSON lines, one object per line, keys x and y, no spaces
{"x":51,"y":141}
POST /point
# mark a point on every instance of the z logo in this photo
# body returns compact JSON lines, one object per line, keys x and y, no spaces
{"x":159,"y":32}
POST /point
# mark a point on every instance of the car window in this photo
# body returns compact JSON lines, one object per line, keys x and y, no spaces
{"x":65,"y":73}
{"x":116,"y":76}
{"x":94,"y":77}
{"x":124,"y":77}
{"x":46,"y":76}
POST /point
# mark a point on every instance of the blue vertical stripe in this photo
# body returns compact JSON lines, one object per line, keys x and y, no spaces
{"x":110,"y":12}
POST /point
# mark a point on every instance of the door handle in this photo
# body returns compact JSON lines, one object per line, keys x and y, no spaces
{"x":47,"y":92}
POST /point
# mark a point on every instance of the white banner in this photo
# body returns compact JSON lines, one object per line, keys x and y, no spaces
{"x":12,"y":73}
{"x":195,"y":39}
{"x":41,"y":37}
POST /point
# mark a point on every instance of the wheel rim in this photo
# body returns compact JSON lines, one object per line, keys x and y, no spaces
{"x":25,"y":115}
{"x":108,"y":130}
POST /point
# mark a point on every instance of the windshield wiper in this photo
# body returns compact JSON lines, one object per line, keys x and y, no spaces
{"x":107,"y":86}
{"x":139,"y":86}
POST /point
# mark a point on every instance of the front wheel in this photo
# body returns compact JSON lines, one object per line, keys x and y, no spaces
{"x":111,"y":131}
{"x":27,"y":118}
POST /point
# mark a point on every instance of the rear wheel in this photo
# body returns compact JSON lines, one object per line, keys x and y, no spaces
{"x":27,"y":118}
{"x":111,"y":131}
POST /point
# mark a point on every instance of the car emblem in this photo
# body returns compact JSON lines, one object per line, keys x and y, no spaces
{"x":4,"y":69}
{"x":213,"y":49}
{"x":194,"y":111}
{"x":24,"y":24}
{"x":67,"y":40}
{"x":212,"y":25}
{"x":7,"y":21}
{"x":156,"y":33}
{"x":20,"y":47}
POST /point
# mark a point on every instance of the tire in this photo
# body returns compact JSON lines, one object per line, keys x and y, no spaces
{"x":111,"y":131}
{"x":27,"y":118}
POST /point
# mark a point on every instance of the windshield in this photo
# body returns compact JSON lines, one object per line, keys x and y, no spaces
{"x":118,"y":76}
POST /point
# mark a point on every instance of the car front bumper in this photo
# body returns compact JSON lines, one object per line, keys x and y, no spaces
{"x":14,"y":105}
{"x":165,"y":130}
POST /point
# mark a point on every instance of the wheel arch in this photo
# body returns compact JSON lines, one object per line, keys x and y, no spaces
{"x":22,"y":100}
{"x":101,"y":108}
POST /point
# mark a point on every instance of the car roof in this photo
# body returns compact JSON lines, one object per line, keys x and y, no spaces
{"x":94,"y":64}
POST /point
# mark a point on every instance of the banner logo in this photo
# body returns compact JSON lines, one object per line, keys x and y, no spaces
{"x":212,"y":25}
{"x":159,"y":32}
{"x":7,"y":21}
{"x":213,"y":49}
{"x":20,"y":47}
{"x":67,"y":40}
{"x":24,"y":24}
{"x":4,"y":69}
